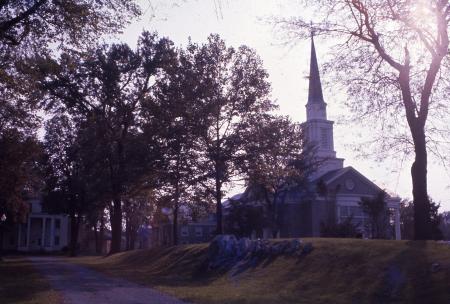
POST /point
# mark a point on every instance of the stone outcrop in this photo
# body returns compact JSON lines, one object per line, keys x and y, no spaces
{"x":225,"y":251}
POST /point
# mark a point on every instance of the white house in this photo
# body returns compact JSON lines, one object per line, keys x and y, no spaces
{"x":40,"y":232}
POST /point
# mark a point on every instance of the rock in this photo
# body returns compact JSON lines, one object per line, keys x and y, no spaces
{"x":262,"y":249}
{"x":444,"y":243}
{"x":222,"y":250}
{"x":291,"y":247}
{"x":252,"y":247}
{"x":296,"y":244}
{"x":277,"y":248}
{"x":307,"y":249}
{"x":226,"y":250}
{"x":243,"y":247}
{"x":435,"y":267}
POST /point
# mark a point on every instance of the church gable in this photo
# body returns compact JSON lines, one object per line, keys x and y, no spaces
{"x":350,"y":181}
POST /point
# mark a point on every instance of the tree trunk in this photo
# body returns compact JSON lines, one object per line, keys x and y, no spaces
{"x":175,"y":214}
{"x":175,"y":223}
{"x":219,"y":228}
{"x":117,"y":190}
{"x":219,"y":168}
{"x":1,"y":244}
{"x":96,"y":238}
{"x":416,"y":121}
{"x":74,"y":227}
{"x":127,"y":233}
{"x":101,"y":234}
{"x":133,"y":231}
{"x":272,"y":211}
{"x":422,"y":225}
{"x":116,"y":226}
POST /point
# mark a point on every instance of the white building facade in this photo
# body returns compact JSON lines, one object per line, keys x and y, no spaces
{"x":41,"y":231}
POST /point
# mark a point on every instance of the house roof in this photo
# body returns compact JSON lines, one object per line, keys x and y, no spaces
{"x":226,"y":203}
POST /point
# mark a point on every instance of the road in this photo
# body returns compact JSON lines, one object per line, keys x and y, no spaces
{"x":80,"y":285}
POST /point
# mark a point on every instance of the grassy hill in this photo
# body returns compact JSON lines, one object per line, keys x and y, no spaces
{"x":336,"y":271}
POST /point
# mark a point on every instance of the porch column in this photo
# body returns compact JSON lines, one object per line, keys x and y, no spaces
{"x":43,"y":233}
{"x":19,"y":240}
{"x":398,"y":235}
{"x":52,"y":232}
{"x":28,"y":233}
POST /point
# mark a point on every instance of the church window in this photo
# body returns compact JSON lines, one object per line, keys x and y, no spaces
{"x":324,"y":138}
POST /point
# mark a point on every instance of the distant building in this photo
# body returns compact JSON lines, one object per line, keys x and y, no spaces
{"x":40,"y":232}
{"x":301,"y":215}
{"x":189,"y":232}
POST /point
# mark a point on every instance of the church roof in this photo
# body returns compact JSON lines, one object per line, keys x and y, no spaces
{"x":315,"y":94}
{"x":331,"y":176}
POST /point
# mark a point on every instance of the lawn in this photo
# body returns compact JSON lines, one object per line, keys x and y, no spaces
{"x":20,"y":283}
{"x":337,"y":271}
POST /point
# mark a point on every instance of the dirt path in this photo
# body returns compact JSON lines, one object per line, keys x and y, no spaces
{"x":80,"y":285}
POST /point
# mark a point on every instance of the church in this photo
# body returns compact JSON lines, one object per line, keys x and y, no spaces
{"x":301,"y":216}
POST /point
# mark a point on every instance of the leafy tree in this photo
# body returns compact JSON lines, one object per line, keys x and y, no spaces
{"x":95,"y":220}
{"x":28,"y":28}
{"x":175,"y":114}
{"x":19,"y":148}
{"x":243,"y":218}
{"x":275,"y":160}
{"x":107,"y":87}
{"x":137,"y":211}
{"x":331,"y":227}
{"x":407,"y":220}
{"x":19,"y":176}
{"x":67,"y":175}
{"x":35,"y":25}
{"x":393,"y":58}
{"x":344,"y":229}
{"x":445,"y":225}
{"x":231,"y":87}
{"x":378,"y":214}
{"x":19,"y":173}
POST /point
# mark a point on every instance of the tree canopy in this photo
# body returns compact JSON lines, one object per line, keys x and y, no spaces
{"x":233,"y":89}
{"x":40,"y":28}
{"x":106,"y":88}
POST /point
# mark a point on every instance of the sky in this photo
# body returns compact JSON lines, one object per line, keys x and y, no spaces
{"x":245,"y":22}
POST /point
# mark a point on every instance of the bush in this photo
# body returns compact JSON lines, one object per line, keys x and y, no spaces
{"x":344,"y":229}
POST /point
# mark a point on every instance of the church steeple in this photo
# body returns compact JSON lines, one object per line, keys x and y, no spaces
{"x":316,"y":106}
{"x":315,"y":94}
{"x":318,"y":129}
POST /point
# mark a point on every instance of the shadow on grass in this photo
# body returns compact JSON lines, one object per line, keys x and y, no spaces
{"x":20,"y":282}
{"x":410,"y":277}
{"x":186,"y":266}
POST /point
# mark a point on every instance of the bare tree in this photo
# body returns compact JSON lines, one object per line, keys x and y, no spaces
{"x":392,"y":56}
